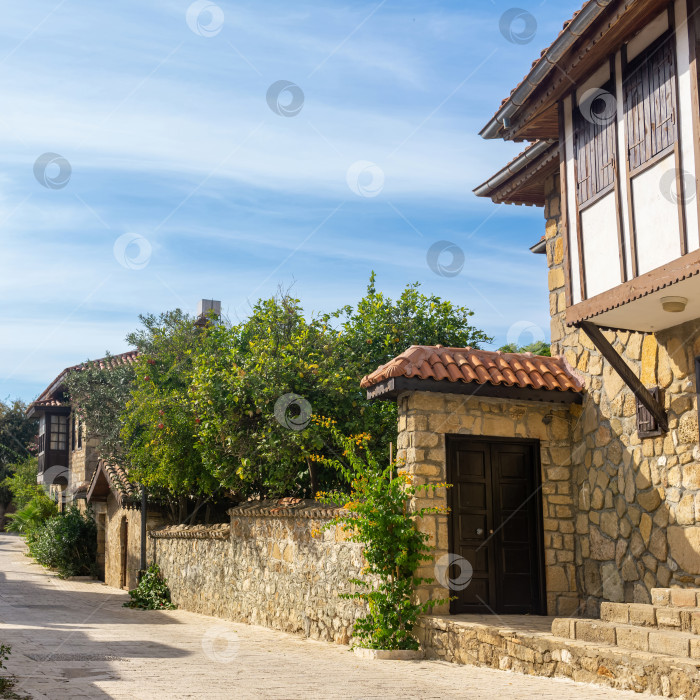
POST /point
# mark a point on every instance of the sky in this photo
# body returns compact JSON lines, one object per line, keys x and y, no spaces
{"x":156,"y":153}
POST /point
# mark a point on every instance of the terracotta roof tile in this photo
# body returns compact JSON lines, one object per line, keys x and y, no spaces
{"x":46,"y":400}
{"x":436,"y":362}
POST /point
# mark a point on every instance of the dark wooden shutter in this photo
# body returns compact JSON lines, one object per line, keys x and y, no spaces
{"x":646,"y":423}
{"x":650,"y":103}
{"x":594,"y":144}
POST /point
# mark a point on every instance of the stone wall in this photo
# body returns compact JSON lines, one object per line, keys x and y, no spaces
{"x":425,"y":418}
{"x":638,"y":500}
{"x":265,"y":568}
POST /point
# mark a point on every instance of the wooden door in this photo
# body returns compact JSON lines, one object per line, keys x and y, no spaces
{"x":496,"y":524}
{"x":124,"y":551}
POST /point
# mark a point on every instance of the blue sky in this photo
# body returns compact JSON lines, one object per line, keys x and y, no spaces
{"x":187,"y":179}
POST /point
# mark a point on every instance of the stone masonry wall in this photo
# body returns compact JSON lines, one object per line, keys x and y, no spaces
{"x":425,"y":419}
{"x":266,"y":568}
{"x":638,"y":500}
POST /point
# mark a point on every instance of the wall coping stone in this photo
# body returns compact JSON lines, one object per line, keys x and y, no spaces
{"x":286,"y":507}
{"x":192,"y":532}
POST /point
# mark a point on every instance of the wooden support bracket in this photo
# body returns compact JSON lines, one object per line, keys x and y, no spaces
{"x":626,"y":373}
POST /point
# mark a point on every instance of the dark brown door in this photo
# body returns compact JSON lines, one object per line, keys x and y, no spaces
{"x":496,"y":524}
{"x":124,"y":551}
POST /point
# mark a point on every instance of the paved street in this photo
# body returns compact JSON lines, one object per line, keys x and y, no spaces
{"x":73,"y":639}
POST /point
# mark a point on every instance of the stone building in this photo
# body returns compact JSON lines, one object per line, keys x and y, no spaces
{"x":71,"y":470}
{"x":611,"y":113}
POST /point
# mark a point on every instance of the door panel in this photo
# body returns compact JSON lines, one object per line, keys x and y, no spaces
{"x":496,"y":524}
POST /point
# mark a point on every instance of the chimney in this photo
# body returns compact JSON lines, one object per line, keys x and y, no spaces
{"x":205,"y":309}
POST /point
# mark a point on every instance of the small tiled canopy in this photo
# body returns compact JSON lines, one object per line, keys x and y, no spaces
{"x":466,"y":370}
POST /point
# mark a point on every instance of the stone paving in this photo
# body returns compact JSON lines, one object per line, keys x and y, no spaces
{"x":73,"y":639}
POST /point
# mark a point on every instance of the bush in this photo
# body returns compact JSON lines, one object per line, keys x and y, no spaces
{"x":377,"y":514}
{"x":67,"y":543}
{"x":7,"y":683}
{"x":152,"y":593}
{"x":31,"y":517}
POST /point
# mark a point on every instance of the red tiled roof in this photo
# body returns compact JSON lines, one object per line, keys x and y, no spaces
{"x":47,"y":403}
{"x":46,"y":399}
{"x":436,"y":362}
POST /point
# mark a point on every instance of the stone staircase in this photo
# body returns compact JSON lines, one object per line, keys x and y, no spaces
{"x":649,"y":648}
{"x":670,"y":625}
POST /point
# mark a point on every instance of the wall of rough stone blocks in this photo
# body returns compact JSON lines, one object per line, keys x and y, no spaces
{"x":266,"y":569}
{"x":425,"y":418}
{"x":638,"y":500}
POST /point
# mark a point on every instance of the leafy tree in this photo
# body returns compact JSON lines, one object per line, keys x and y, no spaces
{"x":254,"y":387}
{"x":251,"y":379}
{"x":158,"y":421}
{"x":17,"y":442}
{"x":539,"y":347}
{"x":98,"y":394}
{"x":21,"y":482}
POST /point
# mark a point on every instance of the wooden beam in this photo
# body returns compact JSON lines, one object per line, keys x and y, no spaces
{"x":626,"y":373}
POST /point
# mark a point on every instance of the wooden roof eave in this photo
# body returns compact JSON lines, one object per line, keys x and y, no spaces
{"x":538,"y":116}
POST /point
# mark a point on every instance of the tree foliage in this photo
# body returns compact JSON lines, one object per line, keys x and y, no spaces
{"x":221,"y":410}
{"x":539,"y":347}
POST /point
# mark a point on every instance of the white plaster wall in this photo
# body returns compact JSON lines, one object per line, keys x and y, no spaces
{"x":656,"y":215}
{"x":601,"y":253}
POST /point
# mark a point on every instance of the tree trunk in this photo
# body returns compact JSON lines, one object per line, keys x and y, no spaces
{"x":312,"y":477}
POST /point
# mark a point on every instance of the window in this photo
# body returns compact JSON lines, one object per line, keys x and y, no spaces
{"x":72,"y":433}
{"x":646,"y":423}
{"x":650,"y":103}
{"x":80,"y":433}
{"x":594,"y":142}
{"x":42,"y":435}
{"x":59,"y":432}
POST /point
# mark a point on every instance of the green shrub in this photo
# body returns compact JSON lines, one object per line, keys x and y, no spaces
{"x":7,"y":683}
{"x":67,"y":543}
{"x":152,"y":593}
{"x":377,"y":514}
{"x":32,"y":516}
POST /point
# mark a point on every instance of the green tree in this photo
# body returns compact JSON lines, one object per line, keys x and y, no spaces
{"x":539,"y":347}
{"x":21,"y":481}
{"x":17,"y":442}
{"x":158,"y":423}
{"x":99,"y":393}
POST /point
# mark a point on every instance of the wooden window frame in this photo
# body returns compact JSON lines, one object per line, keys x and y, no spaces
{"x":600,"y":135}
{"x":643,"y":413}
{"x":60,"y":422}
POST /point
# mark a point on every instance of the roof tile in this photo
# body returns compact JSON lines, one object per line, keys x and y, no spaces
{"x":466,"y":365}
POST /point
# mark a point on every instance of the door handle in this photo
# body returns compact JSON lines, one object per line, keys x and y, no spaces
{"x":479,"y":531}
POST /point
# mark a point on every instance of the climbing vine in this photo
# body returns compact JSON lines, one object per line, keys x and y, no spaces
{"x":377,"y":514}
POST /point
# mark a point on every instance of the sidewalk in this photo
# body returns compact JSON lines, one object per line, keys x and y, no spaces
{"x":73,"y":639}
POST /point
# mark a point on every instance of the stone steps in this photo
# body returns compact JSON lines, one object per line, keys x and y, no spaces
{"x":678,"y":597}
{"x":662,"y":617}
{"x":681,"y":645}
{"x":497,"y":644}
